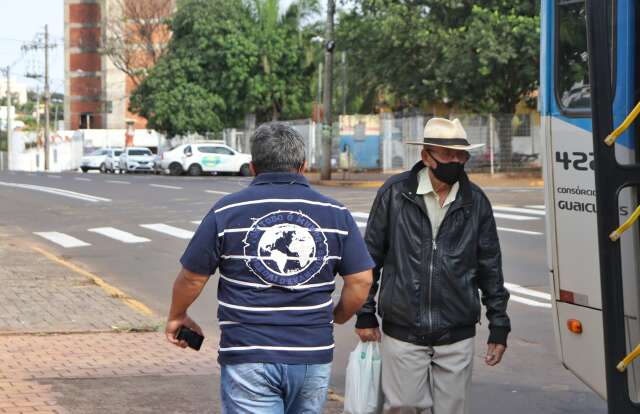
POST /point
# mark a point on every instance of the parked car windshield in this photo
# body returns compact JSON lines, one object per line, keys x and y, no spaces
{"x":139,"y":152}
{"x":117,"y":153}
{"x":98,"y":152}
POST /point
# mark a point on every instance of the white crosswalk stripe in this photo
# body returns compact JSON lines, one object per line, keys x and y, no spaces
{"x":514,"y":217}
{"x":519,"y":210}
{"x":530,"y":233}
{"x":119,"y":235}
{"x":170,"y":230}
{"x":62,"y":239}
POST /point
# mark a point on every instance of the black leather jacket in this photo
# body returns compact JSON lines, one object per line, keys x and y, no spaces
{"x":429,"y":287}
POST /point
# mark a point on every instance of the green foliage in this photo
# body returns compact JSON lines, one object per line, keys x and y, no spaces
{"x":3,"y":140}
{"x":478,"y":55}
{"x":225,"y":59}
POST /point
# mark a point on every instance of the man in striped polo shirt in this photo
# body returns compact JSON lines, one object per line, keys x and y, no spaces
{"x":277,"y":246}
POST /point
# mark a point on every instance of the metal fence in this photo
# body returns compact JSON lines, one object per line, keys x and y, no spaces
{"x":512,"y":142}
{"x":379,"y":142}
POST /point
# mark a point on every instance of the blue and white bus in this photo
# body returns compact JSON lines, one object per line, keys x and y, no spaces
{"x":589,"y":84}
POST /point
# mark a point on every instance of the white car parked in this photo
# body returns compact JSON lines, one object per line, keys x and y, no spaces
{"x":135,"y":159}
{"x":197,"y":158}
{"x":112,"y":163}
{"x":99,"y":159}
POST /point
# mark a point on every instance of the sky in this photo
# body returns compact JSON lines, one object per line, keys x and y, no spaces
{"x":20,"y":22}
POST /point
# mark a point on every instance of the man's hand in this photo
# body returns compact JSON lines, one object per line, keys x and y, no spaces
{"x":494,"y":354}
{"x":369,"y":334}
{"x":173,"y":325}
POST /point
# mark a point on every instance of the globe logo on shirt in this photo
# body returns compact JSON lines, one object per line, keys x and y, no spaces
{"x":285,"y":248}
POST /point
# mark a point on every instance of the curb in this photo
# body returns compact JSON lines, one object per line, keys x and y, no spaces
{"x":109,"y":290}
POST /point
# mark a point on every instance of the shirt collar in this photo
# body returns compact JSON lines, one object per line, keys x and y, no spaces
{"x":426,"y":187}
{"x":280,"y":178}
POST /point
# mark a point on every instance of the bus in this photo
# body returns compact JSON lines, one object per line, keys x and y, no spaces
{"x":589,"y":86}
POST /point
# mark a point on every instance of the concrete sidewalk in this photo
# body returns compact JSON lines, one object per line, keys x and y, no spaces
{"x":376,"y":179}
{"x":71,"y":343}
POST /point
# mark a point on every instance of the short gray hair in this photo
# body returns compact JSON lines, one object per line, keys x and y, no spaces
{"x":276,"y":147}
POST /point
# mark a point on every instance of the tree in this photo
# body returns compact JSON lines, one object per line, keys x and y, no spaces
{"x":136,"y":35}
{"x":480,"y":56}
{"x":224,"y":60}
{"x":281,"y":83}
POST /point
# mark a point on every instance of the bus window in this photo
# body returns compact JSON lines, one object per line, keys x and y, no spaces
{"x":573,"y":90}
{"x":572,"y":70}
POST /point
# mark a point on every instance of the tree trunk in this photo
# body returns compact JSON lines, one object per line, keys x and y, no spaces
{"x":505,"y":136}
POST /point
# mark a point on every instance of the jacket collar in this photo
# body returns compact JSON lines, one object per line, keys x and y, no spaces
{"x":280,"y":178}
{"x":463,"y":199}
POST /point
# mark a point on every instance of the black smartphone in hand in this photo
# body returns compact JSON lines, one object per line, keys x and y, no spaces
{"x":193,"y":339}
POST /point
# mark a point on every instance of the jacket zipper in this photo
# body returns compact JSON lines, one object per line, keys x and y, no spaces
{"x":433,"y":253}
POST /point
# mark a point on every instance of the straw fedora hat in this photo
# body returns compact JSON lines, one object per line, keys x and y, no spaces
{"x":441,"y":132}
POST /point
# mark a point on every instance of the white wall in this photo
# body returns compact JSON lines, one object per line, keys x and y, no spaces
{"x":65,"y":152}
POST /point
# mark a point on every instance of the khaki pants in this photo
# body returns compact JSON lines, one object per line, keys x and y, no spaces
{"x":418,"y":378}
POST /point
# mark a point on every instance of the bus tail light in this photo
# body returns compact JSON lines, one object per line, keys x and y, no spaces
{"x":574,"y":326}
{"x":567,"y":296}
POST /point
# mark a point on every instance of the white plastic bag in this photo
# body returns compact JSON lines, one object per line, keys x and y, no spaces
{"x":363,"y":394}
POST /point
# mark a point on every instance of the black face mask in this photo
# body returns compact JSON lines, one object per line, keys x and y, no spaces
{"x":447,"y":172}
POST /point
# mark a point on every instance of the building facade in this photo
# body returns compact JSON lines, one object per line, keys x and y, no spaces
{"x":98,"y":36}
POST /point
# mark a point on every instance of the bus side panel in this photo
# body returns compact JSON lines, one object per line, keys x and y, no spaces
{"x":574,"y":209}
{"x":586,"y":360}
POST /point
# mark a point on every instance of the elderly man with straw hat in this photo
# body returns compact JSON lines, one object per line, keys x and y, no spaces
{"x":433,"y":238}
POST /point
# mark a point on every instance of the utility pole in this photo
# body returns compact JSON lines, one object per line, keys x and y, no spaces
{"x":327,"y":125}
{"x":343,"y":61}
{"x":9,"y":126}
{"x":36,"y":45}
{"x":47,"y":97}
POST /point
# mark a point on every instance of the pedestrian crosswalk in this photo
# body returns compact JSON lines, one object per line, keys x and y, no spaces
{"x":119,"y":235}
{"x":62,"y":239}
{"x":129,"y":236}
{"x":144,"y":233}
{"x":170,"y":230}
{"x":502,"y":213}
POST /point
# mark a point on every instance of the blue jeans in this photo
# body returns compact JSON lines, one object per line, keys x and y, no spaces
{"x":261,"y":388}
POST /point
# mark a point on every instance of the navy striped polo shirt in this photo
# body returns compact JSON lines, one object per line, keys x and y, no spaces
{"x":277,"y":245}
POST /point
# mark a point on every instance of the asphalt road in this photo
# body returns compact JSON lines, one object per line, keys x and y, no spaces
{"x":132,"y":229}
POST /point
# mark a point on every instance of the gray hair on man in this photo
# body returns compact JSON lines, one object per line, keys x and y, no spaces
{"x":276,"y":147}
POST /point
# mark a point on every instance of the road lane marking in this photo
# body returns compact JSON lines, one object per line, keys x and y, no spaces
{"x":519,"y":210}
{"x":117,"y":182}
{"x":525,"y":291}
{"x":216,"y":192}
{"x":170,"y":230}
{"x":537,"y":206}
{"x":172,"y":187}
{"x":62,"y":239}
{"x":82,"y":179}
{"x":56,"y":191}
{"x":197,"y":222}
{"x":119,"y":235}
{"x":530,"y":302}
{"x":513,"y":217}
{"x":530,"y":233}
